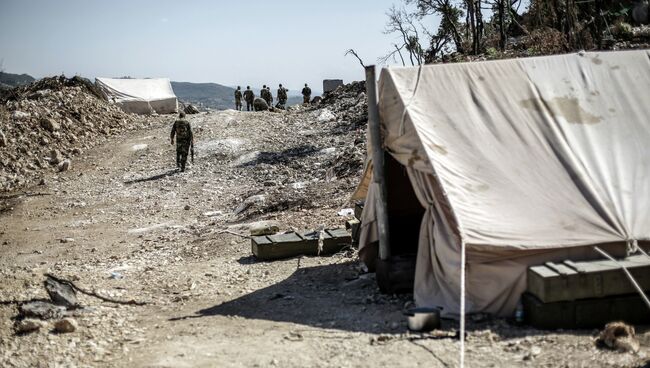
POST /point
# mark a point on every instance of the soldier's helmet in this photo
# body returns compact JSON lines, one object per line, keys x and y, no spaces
{"x":305,"y":84}
{"x":238,"y":87}
{"x":248,"y":87}
{"x":181,"y":114}
{"x":264,"y":86}
{"x":280,"y":85}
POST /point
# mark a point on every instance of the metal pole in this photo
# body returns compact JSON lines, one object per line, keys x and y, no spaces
{"x":377,"y":163}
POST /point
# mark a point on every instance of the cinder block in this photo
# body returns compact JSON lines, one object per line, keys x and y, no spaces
{"x":331,"y":84}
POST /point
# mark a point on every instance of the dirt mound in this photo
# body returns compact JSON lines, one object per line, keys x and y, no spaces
{"x":46,"y":123}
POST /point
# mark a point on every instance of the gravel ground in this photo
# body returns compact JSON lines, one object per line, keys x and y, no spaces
{"x":124,"y":223}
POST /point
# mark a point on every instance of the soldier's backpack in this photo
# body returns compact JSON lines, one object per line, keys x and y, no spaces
{"x":182,"y":130}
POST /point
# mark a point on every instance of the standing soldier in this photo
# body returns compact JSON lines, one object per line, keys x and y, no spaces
{"x":270,"y":101}
{"x":306,"y":94}
{"x":249,"y":96}
{"x":282,"y":97}
{"x":263,"y":94}
{"x":184,"y":139}
{"x":238,"y":97}
{"x":267,"y":96}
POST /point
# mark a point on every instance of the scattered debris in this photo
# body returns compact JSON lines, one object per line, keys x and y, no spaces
{"x":41,"y":310}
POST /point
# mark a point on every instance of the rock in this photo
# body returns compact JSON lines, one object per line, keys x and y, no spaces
{"x":61,"y":294}
{"x":42,"y":310}
{"x":64,"y":165}
{"x":190,"y":109}
{"x":19,"y":115}
{"x":187,"y":207}
{"x":260,"y":105}
{"x":50,"y":125}
{"x":65,"y":325}
{"x":3,"y":139}
{"x":249,"y":202}
{"x":28,"y":325}
{"x":264,"y":228}
{"x":67,"y":240}
{"x":55,"y":157}
{"x":213,"y":213}
{"x":619,"y":336}
{"x":326,"y":115}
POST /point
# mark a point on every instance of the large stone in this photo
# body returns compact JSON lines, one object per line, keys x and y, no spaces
{"x":61,"y":294}
{"x":65,"y":325}
{"x":264,"y":228}
{"x":64,"y":165}
{"x":42,"y":310}
{"x":260,"y":105}
{"x":50,"y":124}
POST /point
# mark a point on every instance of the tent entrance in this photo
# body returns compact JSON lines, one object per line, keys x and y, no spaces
{"x":397,"y":273}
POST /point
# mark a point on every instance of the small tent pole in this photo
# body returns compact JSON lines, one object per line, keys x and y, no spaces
{"x":377,"y":163}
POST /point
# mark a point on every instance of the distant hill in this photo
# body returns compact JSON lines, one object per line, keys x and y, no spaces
{"x":205,"y":95}
{"x":13,"y":80}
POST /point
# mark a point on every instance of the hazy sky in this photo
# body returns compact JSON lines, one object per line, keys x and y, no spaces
{"x":229,"y":42}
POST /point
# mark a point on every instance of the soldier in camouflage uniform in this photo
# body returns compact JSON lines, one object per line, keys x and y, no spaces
{"x":249,"y":96}
{"x":306,"y":94}
{"x":238,"y":97}
{"x":184,"y":139}
{"x":269,"y":96}
{"x":263,"y":94}
{"x":282,"y":97}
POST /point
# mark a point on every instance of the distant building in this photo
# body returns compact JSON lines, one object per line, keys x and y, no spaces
{"x":331,"y":84}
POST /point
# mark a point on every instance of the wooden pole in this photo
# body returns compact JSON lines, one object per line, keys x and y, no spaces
{"x":378,"y":181}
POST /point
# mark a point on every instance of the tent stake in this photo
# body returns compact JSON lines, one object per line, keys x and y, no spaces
{"x":377,"y":163}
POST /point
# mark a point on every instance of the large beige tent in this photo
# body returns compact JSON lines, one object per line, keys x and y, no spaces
{"x":519,"y":162}
{"x":140,"y":96}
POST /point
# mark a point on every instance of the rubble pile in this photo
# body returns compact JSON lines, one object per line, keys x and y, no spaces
{"x":45,"y":124}
{"x":350,"y":105}
{"x":311,"y":158}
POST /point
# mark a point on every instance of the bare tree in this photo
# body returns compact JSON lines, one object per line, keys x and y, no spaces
{"x":404,"y":24}
{"x":352,"y":52}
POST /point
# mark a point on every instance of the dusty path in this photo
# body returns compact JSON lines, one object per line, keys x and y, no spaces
{"x":129,"y":235}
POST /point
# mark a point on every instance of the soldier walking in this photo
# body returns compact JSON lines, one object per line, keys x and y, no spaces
{"x":184,"y":139}
{"x":238,"y":97}
{"x":282,"y":97}
{"x":249,"y":97}
{"x":306,"y":94}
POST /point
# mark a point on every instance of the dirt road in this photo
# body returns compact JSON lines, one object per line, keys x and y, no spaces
{"x":123,"y":222}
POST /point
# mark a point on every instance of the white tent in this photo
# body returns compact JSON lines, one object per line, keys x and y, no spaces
{"x":140,"y":96}
{"x":518,"y":162}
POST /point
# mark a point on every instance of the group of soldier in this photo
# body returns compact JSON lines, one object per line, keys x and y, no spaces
{"x":182,"y":131}
{"x":265,"y":101}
